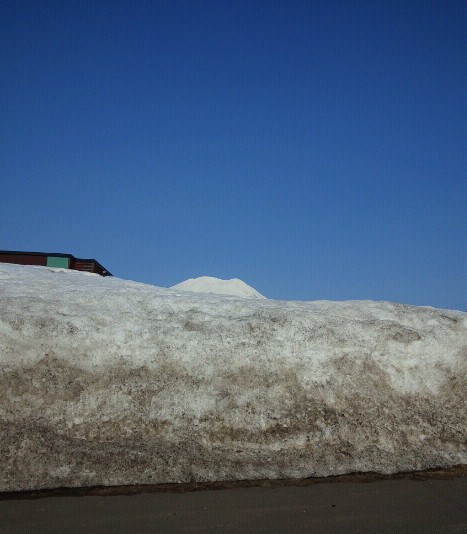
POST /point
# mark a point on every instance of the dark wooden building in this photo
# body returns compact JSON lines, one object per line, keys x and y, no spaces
{"x":53,"y":259}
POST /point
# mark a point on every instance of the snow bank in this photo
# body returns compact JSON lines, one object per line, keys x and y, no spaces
{"x":208,"y":284}
{"x":105,"y":381}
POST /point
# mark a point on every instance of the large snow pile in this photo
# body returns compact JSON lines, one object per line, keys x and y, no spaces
{"x":209,"y":284}
{"x":105,"y":381}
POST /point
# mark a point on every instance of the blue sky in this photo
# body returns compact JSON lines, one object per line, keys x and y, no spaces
{"x":316,"y":150}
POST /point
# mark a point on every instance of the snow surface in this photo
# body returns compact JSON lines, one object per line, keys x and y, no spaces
{"x":106,"y":381}
{"x":209,"y":284}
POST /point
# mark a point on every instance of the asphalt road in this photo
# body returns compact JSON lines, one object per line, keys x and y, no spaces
{"x":387,"y":506}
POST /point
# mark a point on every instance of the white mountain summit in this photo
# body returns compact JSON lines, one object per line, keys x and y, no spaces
{"x":209,"y":284}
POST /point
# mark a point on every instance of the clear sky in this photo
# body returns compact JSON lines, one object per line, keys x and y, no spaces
{"x":316,"y":150}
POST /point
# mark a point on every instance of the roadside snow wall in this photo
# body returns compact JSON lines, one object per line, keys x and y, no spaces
{"x":108,"y":382}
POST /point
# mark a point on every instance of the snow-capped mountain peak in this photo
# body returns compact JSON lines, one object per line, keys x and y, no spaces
{"x":209,"y":284}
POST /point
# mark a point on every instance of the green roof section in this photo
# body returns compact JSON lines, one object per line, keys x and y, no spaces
{"x":57,"y":261}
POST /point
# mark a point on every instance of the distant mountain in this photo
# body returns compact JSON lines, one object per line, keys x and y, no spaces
{"x":209,"y":284}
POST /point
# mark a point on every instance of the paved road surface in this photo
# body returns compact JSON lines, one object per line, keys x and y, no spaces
{"x":388,"y":506}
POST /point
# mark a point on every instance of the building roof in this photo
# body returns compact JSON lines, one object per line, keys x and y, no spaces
{"x":57,"y":255}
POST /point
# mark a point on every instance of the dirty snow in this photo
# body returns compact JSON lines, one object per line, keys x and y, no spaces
{"x":106,"y":381}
